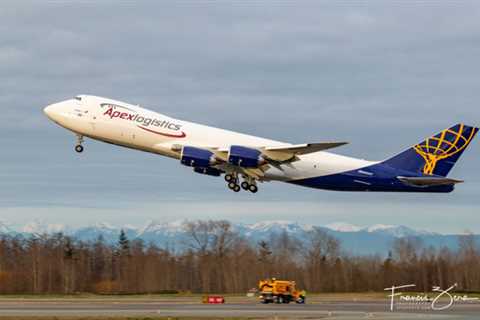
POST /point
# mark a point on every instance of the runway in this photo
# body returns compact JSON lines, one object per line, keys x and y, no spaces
{"x":167,"y":308}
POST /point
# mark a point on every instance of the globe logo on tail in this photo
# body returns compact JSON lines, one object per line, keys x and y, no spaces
{"x":444,"y":145}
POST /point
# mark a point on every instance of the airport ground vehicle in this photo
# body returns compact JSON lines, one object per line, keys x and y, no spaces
{"x":280,"y":291}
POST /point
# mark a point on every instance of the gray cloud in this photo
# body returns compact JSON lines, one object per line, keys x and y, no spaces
{"x":381,"y":76}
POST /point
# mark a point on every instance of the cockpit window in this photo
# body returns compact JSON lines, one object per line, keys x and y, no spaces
{"x":78,"y":98}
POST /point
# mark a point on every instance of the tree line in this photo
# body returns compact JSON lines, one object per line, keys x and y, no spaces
{"x":218,"y":260}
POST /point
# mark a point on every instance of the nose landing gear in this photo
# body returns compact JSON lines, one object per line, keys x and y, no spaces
{"x":79,"y":147}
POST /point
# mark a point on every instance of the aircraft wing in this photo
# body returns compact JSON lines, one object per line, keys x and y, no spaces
{"x":288,"y":152}
{"x":428,"y":181}
{"x":272,"y":155}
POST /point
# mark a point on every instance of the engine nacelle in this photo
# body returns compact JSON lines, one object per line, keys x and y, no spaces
{"x":196,"y":157}
{"x":208,"y":171}
{"x":245,"y":157}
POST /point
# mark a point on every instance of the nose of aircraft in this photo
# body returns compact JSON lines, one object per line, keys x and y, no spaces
{"x":47,"y":110}
{"x":52,"y":111}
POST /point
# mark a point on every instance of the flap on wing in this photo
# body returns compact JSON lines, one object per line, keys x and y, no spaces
{"x":288,"y":152}
{"x":256,"y":173}
{"x":428,"y":181}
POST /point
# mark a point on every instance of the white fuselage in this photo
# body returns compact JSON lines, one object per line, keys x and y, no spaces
{"x":131,"y":126}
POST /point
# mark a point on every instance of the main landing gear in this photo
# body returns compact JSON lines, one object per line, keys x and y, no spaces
{"x":232,"y":182}
{"x":250,"y":187}
{"x":79,"y":147}
{"x":248,"y":184}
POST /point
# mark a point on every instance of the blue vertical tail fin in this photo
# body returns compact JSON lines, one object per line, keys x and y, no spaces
{"x":435,"y":155}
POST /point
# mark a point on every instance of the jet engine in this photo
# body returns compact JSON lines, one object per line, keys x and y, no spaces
{"x":196,"y":157}
{"x":245,"y":157}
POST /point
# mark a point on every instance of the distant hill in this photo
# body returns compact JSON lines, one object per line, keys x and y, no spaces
{"x":375,"y":239}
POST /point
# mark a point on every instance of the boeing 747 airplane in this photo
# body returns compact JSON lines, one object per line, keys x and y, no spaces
{"x":245,"y":160}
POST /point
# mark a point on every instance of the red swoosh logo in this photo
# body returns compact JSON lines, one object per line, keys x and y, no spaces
{"x":182,"y":135}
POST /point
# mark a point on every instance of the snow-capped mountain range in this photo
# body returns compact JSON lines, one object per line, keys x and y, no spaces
{"x":375,"y":239}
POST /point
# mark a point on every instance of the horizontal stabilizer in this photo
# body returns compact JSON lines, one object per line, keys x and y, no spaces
{"x":428,"y":181}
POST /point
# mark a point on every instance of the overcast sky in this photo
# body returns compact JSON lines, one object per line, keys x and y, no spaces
{"x":381,"y":77}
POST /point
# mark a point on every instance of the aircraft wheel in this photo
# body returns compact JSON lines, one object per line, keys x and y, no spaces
{"x":245,"y":185}
{"x":79,"y":148}
{"x":236,"y":188}
{"x":253,"y":188}
{"x":232,"y":185}
{"x":228,"y":177}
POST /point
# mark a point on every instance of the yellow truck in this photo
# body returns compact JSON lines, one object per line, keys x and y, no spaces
{"x":280,"y":291}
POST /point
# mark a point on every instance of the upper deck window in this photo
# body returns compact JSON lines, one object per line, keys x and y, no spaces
{"x":78,"y":98}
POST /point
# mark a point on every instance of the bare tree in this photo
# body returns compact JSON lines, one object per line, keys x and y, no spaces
{"x":469,"y":255}
{"x":218,"y":260}
{"x":199,"y":235}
